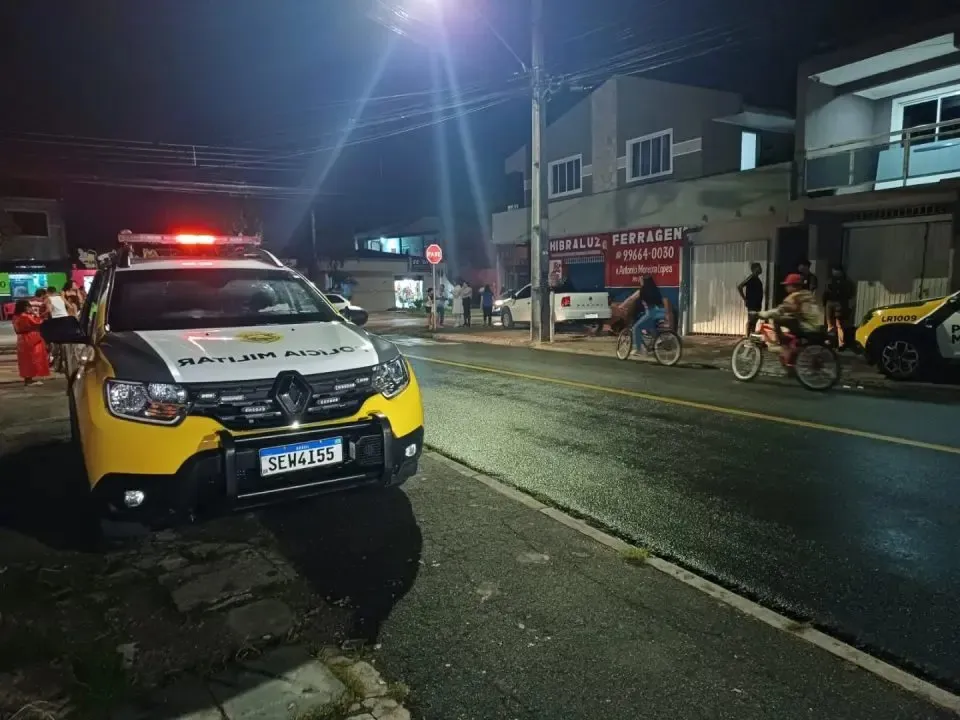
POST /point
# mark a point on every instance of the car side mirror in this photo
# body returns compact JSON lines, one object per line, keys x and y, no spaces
{"x":356,"y":316}
{"x":63,"y":331}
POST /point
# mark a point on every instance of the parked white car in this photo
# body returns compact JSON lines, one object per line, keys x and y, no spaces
{"x":345,"y":308}
{"x":570,"y":308}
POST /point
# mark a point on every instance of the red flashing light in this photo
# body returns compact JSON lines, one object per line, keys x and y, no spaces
{"x":565,"y":301}
{"x":196,"y":239}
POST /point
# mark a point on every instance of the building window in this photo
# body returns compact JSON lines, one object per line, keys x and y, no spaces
{"x":748,"y":150}
{"x":566,"y":176}
{"x":930,"y":108}
{"x":650,"y":156}
{"x":29,"y":222}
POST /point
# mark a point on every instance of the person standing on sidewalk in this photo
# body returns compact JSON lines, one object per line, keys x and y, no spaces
{"x":33,"y":361}
{"x":458,"y":304}
{"x":809,"y":279}
{"x":428,"y":306}
{"x":441,"y":303}
{"x":751,"y":290}
{"x":486,"y":304}
{"x":838,"y":298}
{"x":467,"y":303}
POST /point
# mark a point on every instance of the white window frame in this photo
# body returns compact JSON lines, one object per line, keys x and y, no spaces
{"x":563,"y":161}
{"x":635,"y":177}
{"x":896,"y":112}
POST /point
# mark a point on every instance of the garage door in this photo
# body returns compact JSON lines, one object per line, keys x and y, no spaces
{"x":898,"y":263}
{"x":716,"y":270}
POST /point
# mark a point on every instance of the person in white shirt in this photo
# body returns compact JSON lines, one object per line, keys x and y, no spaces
{"x":56,"y":305}
{"x":458,"y":305}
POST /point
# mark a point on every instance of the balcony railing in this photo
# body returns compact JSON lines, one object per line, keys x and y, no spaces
{"x":917,"y":155}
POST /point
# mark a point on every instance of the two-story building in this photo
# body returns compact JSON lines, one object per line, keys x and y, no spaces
{"x":878,"y":163}
{"x":33,"y":247}
{"x":647,"y":177}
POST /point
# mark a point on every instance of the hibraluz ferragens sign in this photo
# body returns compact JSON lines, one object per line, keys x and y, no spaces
{"x":628,"y":255}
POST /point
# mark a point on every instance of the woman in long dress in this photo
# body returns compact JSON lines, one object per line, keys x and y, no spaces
{"x":32,"y":359}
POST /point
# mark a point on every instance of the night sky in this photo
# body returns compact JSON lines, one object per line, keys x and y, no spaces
{"x":284,"y":77}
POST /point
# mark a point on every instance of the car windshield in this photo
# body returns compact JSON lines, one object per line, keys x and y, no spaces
{"x":211,"y":298}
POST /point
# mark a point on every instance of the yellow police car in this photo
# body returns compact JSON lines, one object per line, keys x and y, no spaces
{"x":208,"y":375}
{"x":907,"y":340}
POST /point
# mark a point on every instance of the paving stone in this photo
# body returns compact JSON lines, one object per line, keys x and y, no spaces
{"x":386,"y":709}
{"x":187,"y":699}
{"x":367,"y":678}
{"x":224,"y":581}
{"x":269,"y":617}
{"x":286,"y":682}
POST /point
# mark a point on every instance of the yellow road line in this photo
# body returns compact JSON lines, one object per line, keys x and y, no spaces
{"x":734,"y":412}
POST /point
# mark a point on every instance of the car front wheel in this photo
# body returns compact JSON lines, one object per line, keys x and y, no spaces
{"x":506,"y":319}
{"x":901,"y":358}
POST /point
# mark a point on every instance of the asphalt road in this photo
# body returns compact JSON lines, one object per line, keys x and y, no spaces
{"x":852,"y":527}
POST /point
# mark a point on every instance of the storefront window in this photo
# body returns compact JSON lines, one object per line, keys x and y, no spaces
{"x":24,"y":285}
{"x":408,"y":293}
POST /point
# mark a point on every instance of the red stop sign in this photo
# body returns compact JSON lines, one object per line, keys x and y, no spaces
{"x":434,"y":254}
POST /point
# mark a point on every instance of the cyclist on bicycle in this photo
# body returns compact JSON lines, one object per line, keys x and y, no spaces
{"x":649,"y":313}
{"x":799,"y":312}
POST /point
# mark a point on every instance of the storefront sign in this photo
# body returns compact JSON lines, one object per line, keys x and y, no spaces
{"x":628,"y":255}
{"x":578,"y":246}
{"x":634,"y":254}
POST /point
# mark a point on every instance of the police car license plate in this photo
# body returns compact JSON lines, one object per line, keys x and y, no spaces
{"x":301,"y":456}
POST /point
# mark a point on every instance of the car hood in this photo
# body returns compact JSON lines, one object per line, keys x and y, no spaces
{"x":912,"y":304}
{"x":248,"y":353}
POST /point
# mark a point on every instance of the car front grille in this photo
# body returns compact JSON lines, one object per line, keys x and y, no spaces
{"x":248,"y":405}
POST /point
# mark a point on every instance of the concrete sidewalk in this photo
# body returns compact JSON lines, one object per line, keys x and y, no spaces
{"x":517,"y":612}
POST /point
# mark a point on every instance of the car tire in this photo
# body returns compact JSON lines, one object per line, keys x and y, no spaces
{"x":901,"y":356}
{"x":506,"y":319}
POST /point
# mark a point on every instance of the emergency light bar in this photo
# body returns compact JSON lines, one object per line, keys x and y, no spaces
{"x":128,"y":238}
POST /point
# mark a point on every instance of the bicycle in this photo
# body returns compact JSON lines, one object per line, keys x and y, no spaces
{"x":814,"y":363}
{"x":663,"y":343}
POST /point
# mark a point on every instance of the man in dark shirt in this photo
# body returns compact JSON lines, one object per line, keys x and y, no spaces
{"x":809,"y":279}
{"x":838,"y":299}
{"x":751,"y":290}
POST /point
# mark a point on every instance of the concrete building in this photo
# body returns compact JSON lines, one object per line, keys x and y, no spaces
{"x":638,"y":155}
{"x":33,"y":246}
{"x":878,"y":163}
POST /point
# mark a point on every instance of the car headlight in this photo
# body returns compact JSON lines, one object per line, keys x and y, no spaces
{"x":160,"y":403}
{"x":391,"y":378}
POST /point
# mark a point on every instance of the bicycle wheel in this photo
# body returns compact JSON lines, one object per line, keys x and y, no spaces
{"x":746,"y":360}
{"x":667,"y":348}
{"x":624,"y":344}
{"x":817,"y":367}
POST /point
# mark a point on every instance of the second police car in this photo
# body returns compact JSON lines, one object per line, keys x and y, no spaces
{"x":907,"y":340}
{"x":209,"y":375}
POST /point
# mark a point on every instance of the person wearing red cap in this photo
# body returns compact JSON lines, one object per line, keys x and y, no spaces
{"x":799,"y":312}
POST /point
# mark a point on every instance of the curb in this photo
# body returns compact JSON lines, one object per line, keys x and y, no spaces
{"x":872,"y":383}
{"x":873,"y":665}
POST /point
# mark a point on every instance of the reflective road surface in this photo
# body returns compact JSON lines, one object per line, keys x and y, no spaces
{"x":841,"y":509}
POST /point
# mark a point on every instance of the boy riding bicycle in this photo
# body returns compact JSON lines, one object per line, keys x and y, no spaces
{"x":799,"y":313}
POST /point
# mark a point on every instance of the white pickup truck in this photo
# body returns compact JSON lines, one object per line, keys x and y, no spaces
{"x":571,"y":308}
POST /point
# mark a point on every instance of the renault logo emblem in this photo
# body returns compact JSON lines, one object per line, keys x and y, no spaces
{"x":292,"y":393}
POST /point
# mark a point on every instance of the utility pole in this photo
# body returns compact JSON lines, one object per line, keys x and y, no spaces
{"x":540,"y":313}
